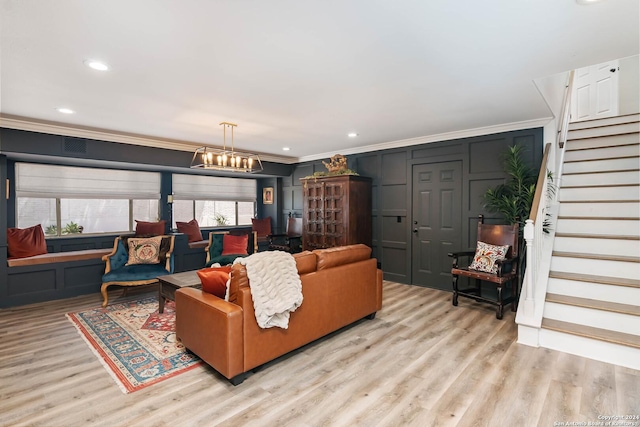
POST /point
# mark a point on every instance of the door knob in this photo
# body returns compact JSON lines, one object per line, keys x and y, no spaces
{"x":415,"y":230}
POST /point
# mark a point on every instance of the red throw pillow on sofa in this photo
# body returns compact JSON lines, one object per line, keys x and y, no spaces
{"x":191,"y":229}
{"x":214,"y":280}
{"x":235,"y":245}
{"x":150,"y":228}
{"x":25,"y":242}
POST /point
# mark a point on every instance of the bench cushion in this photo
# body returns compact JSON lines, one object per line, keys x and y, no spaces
{"x":132,"y":273}
{"x":59,"y":257}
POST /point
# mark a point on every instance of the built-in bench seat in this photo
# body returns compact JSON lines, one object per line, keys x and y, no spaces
{"x":60,"y":257}
{"x":201,"y":244}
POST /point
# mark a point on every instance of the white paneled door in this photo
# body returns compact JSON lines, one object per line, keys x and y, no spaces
{"x":595,"y":92}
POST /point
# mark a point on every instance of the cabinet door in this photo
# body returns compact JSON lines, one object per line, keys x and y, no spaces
{"x":313,"y":220}
{"x":335,"y":211}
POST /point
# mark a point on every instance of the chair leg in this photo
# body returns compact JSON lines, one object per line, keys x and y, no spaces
{"x":500,"y":310}
{"x":454,"y":300}
{"x":105,"y":295}
{"x":516,"y":295}
{"x":479,"y":287}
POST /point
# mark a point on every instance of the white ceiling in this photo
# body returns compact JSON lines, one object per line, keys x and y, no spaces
{"x":299,"y":73}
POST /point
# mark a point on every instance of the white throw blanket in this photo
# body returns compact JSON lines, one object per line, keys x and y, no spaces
{"x":275,"y":285}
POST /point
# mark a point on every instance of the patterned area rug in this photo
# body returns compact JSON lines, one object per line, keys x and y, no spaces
{"x":135,"y":343}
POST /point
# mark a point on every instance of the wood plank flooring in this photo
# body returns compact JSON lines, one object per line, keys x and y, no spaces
{"x":420,"y":362}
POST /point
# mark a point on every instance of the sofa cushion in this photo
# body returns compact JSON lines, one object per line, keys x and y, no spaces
{"x":150,"y":228}
{"x":239,"y":279}
{"x":26,"y":242}
{"x":235,"y":245}
{"x":214,"y":280}
{"x":306,"y":262}
{"x":130,"y":273}
{"x":333,"y":257}
{"x":144,"y":250}
{"x":191,"y":229}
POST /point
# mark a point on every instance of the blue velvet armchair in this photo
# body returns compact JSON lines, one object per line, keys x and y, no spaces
{"x":118,"y":273}
{"x":215,"y":248}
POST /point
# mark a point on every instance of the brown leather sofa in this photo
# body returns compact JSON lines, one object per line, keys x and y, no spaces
{"x":339,"y":286}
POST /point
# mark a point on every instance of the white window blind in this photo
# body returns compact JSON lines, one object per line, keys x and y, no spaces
{"x":50,"y":181}
{"x":199,"y":187}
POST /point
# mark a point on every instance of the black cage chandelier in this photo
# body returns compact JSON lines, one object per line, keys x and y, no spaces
{"x":225,"y":159}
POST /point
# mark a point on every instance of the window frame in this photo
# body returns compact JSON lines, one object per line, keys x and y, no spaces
{"x":59,"y":183}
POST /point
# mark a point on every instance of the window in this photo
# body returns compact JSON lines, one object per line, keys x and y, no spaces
{"x":213,"y":201}
{"x":70,"y":200}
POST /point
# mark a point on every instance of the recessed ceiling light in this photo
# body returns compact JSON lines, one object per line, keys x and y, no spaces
{"x":96,"y":65}
{"x":587,"y":1}
{"x":286,"y":148}
{"x":352,"y":135}
{"x":65,"y":110}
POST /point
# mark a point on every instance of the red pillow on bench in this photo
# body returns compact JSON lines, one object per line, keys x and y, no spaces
{"x":26,"y":242}
{"x":144,"y":228}
{"x":191,"y":229}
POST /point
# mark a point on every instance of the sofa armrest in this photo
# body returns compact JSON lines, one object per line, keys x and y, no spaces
{"x":211,"y":328}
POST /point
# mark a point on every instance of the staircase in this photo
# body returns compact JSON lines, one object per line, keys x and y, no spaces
{"x":592,"y":306}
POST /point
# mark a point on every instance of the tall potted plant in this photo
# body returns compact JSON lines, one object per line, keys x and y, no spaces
{"x":514,"y":198}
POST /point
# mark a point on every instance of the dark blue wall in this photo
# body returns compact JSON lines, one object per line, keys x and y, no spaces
{"x":390,"y":171}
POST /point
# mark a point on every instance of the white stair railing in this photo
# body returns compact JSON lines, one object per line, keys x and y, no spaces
{"x":538,"y":236}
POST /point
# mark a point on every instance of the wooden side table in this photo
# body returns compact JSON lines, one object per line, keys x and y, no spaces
{"x":172,"y":282}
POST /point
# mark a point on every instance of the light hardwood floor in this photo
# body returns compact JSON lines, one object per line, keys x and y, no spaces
{"x":420,"y":362}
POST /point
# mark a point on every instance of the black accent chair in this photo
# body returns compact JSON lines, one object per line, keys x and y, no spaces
{"x":291,"y":241}
{"x":507,"y":269}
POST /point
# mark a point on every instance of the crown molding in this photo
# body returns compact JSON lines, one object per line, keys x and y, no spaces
{"x":447,"y":136}
{"x":55,"y":128}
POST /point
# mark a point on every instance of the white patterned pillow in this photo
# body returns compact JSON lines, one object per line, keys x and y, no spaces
{"x":486,"y":256}
{"x":144,"y":250}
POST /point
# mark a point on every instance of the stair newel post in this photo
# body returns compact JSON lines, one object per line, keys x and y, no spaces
{"x":529,"y":277}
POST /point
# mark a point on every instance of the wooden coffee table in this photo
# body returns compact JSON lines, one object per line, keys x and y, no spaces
{"x":172,"y":282}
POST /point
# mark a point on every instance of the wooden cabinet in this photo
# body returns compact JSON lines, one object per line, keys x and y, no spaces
{"x":337,"y":211}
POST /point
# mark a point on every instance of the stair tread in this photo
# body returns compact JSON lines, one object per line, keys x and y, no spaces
{"x":601,"y":185}
{"x":625,"y":118}
{"x":607,"y":171}
{"x":600,"y":218}
{"x":616,"y":281}
{"x":600,"y":159}
{"x":600,"y":147}
{"x":577,"y":134}
{"x":594,"y":304}
{"x":597,"y":236}
{"x":591,"y":332}
{"x":596,"y":256}
{"x":600,"y":201}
